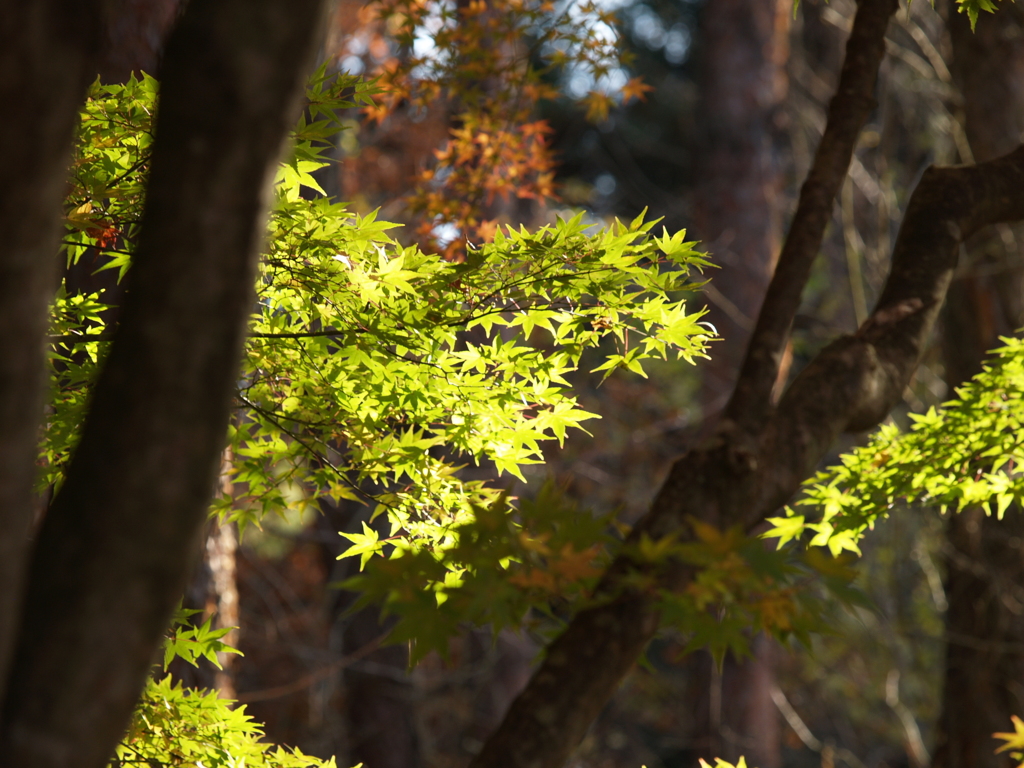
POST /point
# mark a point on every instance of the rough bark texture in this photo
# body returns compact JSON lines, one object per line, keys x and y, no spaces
{"x":984,"y":672}
{"x":757,"y":459}
{"x":119,"y":535}
{"x":46,"y":54}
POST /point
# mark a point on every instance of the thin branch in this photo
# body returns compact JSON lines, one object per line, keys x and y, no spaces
{"x":313,"y":677}
{"x":848,"y":112}
{"x":317,"y":455}
{"x":308,"y":334}
{"x":853,"y":383}
{"x":748,"y":469}
{"x":75,"y":338}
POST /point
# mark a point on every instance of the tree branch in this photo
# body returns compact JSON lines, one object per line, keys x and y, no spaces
{"x":120,"y":533}
{"x":847,"y":113}
{"x":743,"y":477}
{"x":852,"y":384}
{"x":743,"y":474}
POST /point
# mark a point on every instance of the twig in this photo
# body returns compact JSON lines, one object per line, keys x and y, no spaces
{"x":313,"y":677}
{"x":804,"y":733}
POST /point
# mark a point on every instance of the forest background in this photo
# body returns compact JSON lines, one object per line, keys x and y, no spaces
{"x":732,"y":119}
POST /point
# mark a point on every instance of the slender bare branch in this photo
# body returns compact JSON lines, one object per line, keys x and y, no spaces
{"x":847,"y":113}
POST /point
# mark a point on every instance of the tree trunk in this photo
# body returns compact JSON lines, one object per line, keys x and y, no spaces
{"x":378,"y":703}
{"x":737,"y":204}
{"x":737,"y":214}
{"x":134,"y":36}
{"x":128,"y":517}
{"x":984,"y":673}
{"x":213,"y":591}
{"x":47,"y":50}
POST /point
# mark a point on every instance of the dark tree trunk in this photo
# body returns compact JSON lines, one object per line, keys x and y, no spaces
{"x":378,"y":705}
{"x":984,"y":673}
{"x":379,"y":698}
{"x":134,"y":37}
{"x":121,"y":531}
{"x":47,"y":54}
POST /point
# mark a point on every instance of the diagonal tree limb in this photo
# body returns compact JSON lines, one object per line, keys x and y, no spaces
{"x":847,"y":113}
{"x":46,"y":54}
{"x":111,"y":557}
{"x":850,"y":386}
{"x":742,"y":475}
{"x":585,"y":664}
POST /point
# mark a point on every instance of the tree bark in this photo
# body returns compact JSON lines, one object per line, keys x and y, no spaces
{"x":847,"y":113}
{"x":47,"y":49}
{"x":761,"y":453}
{"x":128,"y":518}
{"x":983,"y":676}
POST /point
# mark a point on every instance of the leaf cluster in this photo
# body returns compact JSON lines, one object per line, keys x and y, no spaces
{"x":175,"y":726}
{"x":108,"y":173}
{"x":375,"y":371}
{"x":1013,"y":742}
{"x":967,"y":453}
{"x":491,"y":569}
{"x":489,"y":64}
{"x":741,"y":588}
{"x":374,"y":365}
{"x":974,"y":7}
{"x":193,"y":642}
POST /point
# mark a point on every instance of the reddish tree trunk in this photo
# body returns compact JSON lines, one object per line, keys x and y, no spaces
{"x":738,"y":215}
{"x":737,"y":211}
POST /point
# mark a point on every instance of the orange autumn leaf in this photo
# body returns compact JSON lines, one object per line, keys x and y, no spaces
{"x":574,"y":565}
{"x":534,"y":578}
{"x":636,"y":89}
